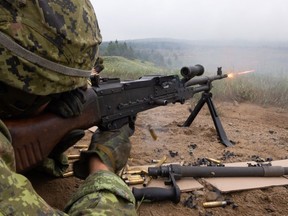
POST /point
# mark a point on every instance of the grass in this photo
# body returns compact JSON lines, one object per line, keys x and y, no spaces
{"x":254,"y":87}
{"x":123,"y":68}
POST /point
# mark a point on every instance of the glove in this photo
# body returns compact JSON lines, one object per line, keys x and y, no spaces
{"x":112,"y":147}
{"x":68,"y":104}
{"x":55,"y":166}
{"x":57,"y":162}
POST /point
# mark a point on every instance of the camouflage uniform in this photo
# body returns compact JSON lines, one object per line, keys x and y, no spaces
{"x":66,"y":32}
{"x":102,"y":193}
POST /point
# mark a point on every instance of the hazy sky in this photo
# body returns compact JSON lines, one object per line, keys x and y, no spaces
{"x":193,"y":19}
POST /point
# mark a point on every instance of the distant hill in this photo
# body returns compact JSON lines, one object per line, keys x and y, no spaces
{"x":265,"y":57}
{"x":188,"y":43}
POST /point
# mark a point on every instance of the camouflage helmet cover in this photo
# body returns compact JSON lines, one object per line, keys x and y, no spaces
{"x":65,"y":32}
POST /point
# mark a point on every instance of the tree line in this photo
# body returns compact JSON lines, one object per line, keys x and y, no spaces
{"x":123,"y":49}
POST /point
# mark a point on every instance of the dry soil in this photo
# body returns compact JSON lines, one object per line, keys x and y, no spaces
{"x":255,"y":130}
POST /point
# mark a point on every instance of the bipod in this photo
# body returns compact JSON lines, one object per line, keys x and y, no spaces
{"x":207,"y":98}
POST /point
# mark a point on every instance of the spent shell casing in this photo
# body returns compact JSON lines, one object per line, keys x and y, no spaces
{"x":68,"y":174}
{"x":83,"y":149}
{"x":214,"y":160}
{"x":161,"y":161}
{"x":144,"y":172}
{"x":73,"y":156}
{"x":80,"y":146}
{"x":131,"y":177}
{"x":152,"y":132}
{"x":147,"y":180}
{"x":132,"y":171}
{"x":214,"y":204}
{"x":124,"y":169}
{"x":133,"y":182}
{"x":127,"y":167}
{"x":154,"y":161}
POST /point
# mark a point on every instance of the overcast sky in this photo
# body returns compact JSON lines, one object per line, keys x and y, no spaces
{"x":193,"y":19}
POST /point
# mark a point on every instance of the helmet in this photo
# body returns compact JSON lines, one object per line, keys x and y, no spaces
{"x":65,"y":32}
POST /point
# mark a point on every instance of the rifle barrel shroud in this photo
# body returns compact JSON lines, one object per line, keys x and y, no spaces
{"x":175,"y":172}
{"x":110,"y":104}
{"x":179,"y":171}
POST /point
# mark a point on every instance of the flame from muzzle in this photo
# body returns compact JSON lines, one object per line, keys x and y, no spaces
{"x":231,"y":75}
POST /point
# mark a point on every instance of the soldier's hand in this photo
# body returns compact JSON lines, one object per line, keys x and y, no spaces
{"x":112,"y":147}
{"x":68,"y":104}
{"x":57,"y":162}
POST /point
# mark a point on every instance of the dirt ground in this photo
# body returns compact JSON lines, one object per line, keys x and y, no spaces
{"x":256,"y":130}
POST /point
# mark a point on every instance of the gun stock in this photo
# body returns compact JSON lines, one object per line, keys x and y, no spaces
{"x":34,"y":138}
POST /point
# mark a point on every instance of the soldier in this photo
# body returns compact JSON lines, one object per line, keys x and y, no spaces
{"x":47,"y":48}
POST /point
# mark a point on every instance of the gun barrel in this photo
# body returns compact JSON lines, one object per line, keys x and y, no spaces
{"x":153,"y":194}
{"x":198,"y":171}
{"x":204,"y":80}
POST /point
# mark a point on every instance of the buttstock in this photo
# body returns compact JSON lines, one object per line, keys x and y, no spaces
{"x":34,"y":138}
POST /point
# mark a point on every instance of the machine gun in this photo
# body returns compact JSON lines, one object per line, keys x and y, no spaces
{"x":111,"y":103}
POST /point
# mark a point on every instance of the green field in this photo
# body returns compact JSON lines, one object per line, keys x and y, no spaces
{"x":116,"y":66}
{"x":255,"y":88}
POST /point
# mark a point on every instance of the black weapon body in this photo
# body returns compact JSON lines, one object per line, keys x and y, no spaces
{"x":120,"y":101}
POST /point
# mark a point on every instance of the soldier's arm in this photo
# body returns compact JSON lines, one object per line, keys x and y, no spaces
{"x":102,"y":193}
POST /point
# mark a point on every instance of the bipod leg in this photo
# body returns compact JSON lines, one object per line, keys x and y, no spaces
{"x":219,"y":128}
{"x":195,"y":111}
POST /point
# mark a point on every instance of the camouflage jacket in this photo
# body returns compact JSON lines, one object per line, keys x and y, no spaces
{"x":102,"y":193}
